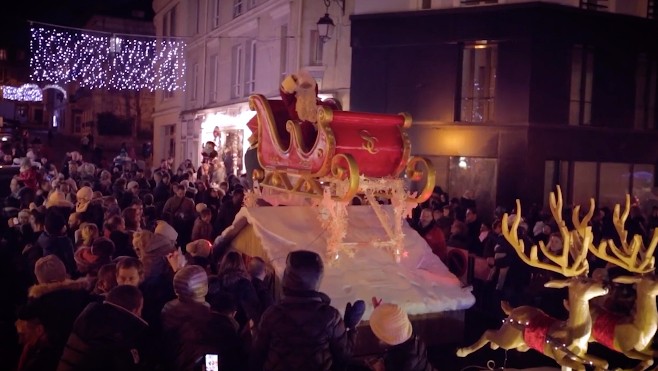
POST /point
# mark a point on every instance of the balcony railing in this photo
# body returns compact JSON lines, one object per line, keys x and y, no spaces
{"x":594,"y":4}
{"x":478,"y":2}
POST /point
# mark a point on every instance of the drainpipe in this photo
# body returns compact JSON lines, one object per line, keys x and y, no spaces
{"x":299,"y":35}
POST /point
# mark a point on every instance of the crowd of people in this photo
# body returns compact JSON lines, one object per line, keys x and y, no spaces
{"x":120,"y":268}
{"x":447,"y":223}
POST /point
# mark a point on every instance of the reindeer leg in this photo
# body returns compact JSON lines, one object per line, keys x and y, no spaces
{"x":597,"y":362}
{"x":645,"y":358}
{"x":506,"y":337}
{"x":482,"y":341}
{"x":569,"y":363}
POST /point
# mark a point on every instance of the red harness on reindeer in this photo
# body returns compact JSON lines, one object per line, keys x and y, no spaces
{"x":535,"y":332}
{"x":604,"y":328}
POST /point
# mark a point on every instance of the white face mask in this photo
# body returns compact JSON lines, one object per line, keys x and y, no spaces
{"x":483,"y":235}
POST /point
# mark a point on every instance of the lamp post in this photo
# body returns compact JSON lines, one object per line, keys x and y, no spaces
{"x":326,"y":24}
{"x":325,"y":28}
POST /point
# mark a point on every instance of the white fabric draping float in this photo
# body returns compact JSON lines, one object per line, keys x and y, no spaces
{"x":420,"y":283}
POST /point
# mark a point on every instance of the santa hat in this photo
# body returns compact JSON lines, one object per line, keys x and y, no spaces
{"x":191,"y":284}
{"x":390,"y":324}
{"x":50,"y":269}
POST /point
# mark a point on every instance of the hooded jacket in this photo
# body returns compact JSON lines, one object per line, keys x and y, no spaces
{"x":106,"y":337}
{"x":57,"y":305}
{"x":154,"y":256}
{"x":303,"y":331}
{"x":62,"y":247}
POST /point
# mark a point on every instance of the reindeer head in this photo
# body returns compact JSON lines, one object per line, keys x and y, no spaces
{"x":647,"y":284}
{"x":581,"y":287}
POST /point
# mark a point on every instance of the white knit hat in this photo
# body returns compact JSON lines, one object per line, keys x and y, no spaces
{"x":163,"y":228}
{"x":390,"y":324}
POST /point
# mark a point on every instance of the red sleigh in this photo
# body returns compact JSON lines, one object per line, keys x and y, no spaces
{"x":349,"y":147}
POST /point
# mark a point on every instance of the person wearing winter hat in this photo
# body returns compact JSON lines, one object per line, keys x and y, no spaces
{"x":58,"y":199}
{"x":55,"y":301}
{"x":153,"y":254}
{"x":303,"y":331}
{"x":164,"y":229}
{"x":202,"y":228}
{"x":50,"y":269}
{"x":200,"y":207}
{"x":83,"y":197}
{"x":199,"y":248}
{"x":90,"y":259}
{"x":191,"y":288}
{"x":54,"y":241}
{"x":404,"y":350}
{"x":90,"y":211}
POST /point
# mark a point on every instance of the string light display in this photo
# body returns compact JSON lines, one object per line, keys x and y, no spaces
{"x":106,"y":61}
{"x":23,"y":93}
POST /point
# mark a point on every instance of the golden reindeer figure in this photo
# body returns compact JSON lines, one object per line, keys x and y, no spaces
{"x":631,"y":335}
{"x":528,"y":327}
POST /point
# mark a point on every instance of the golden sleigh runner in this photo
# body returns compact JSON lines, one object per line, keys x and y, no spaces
{"x":354,"y":154}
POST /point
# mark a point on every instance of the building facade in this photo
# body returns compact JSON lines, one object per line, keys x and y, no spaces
{"x":234,"y":49}
{"x":510,"y":98}
{"x":15,"y":73}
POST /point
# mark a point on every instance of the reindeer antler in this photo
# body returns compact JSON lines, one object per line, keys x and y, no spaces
{"x":572,"y":243}
{"x":627,"y":256}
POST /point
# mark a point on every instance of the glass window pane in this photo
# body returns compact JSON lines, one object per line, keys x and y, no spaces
{"x":613,"y":184}
{"x":477,"y":175}
{"x":549,"y":176}
{"x":643,"y":181}
{"x":584,"y":183}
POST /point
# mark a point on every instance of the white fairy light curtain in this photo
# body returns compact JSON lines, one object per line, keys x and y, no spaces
{"x":98,"y":60}
{"x":23,"y":93}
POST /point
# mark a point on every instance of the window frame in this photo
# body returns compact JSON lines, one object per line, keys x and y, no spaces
{"x":238,"y":8}
{"x":237,"y":71}
{"x":581,"y":85}
{"x":470,"y":95}
{"x":250,"y":69}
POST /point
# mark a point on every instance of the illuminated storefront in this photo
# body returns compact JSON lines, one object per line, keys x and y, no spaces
{"x":224,"y":126}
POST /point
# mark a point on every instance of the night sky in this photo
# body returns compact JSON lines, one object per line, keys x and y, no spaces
{"x":14,"y":26}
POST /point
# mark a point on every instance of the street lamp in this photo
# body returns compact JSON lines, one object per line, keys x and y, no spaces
{"x":325,"y":28}
{"x":326,"y":24}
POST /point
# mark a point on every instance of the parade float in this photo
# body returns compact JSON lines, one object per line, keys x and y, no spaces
{"x":368,"y":249}
{"x":567,"y":342}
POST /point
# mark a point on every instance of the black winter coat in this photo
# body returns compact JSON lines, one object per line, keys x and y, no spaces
{"x":408,"y":356}
{"x":106,"y":337}
{"x":62,"y":247}
{"x":238,"y":284}
{"x":302,"y":333}
{"x":57,"y":305}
